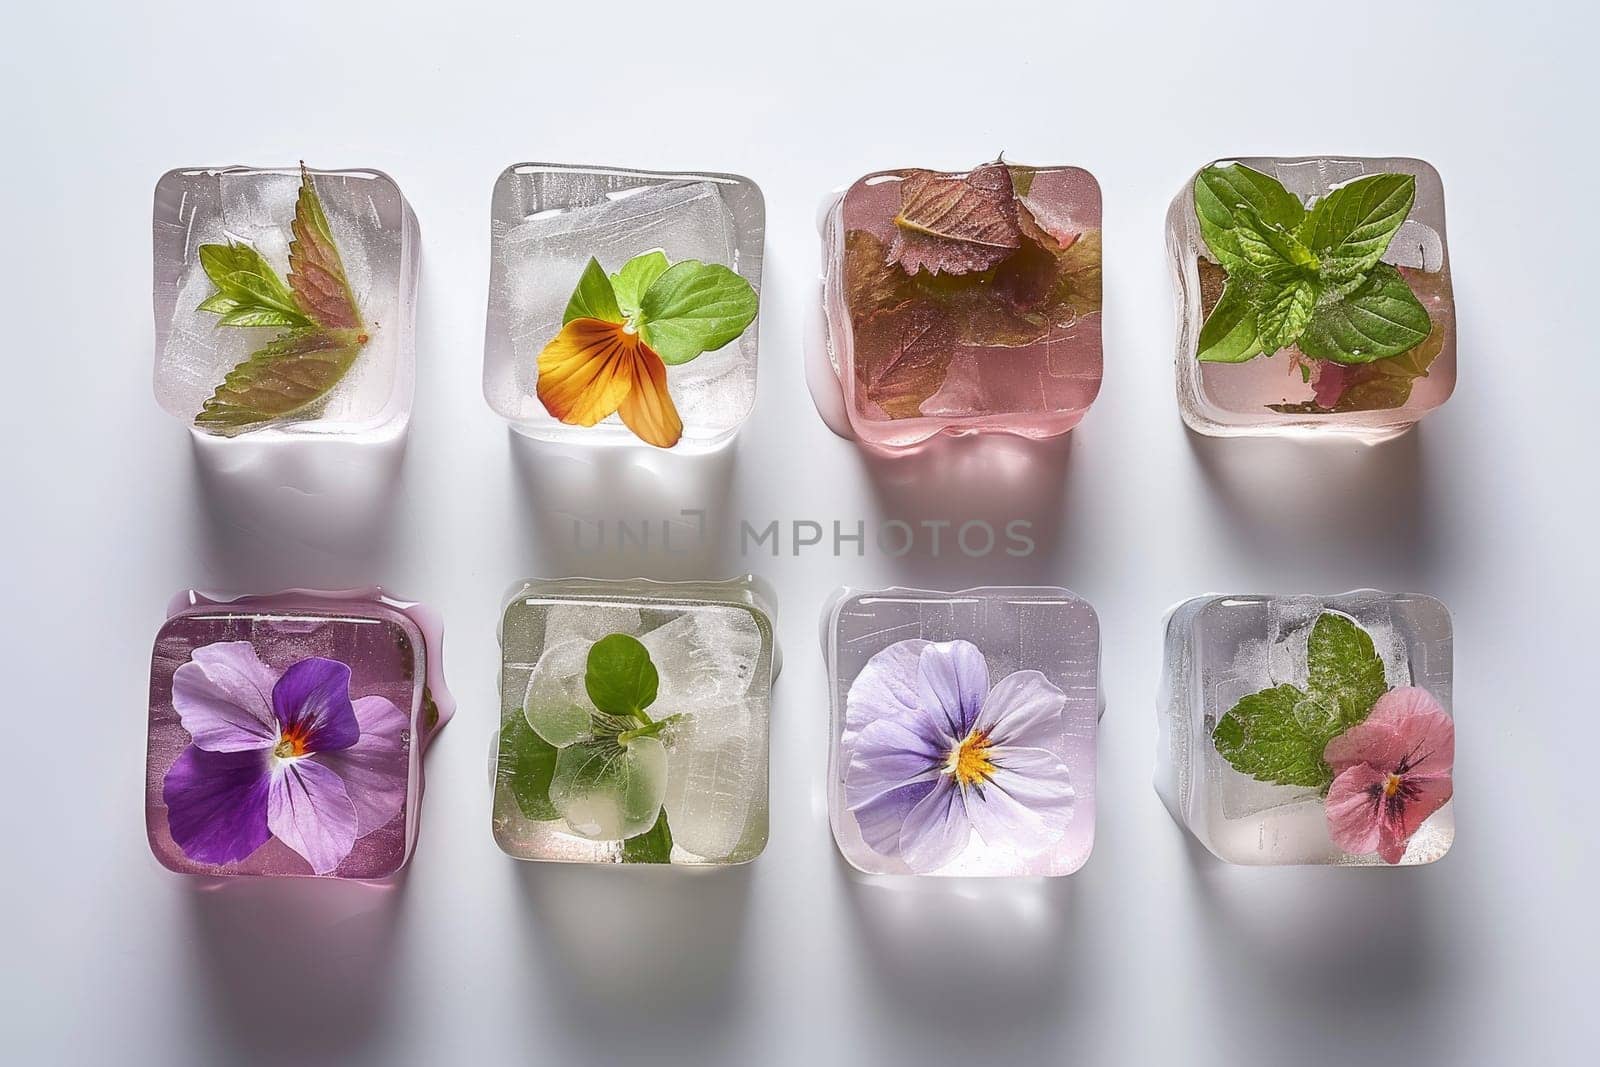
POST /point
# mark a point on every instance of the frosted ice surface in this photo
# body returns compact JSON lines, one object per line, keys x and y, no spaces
{"x":590,"y":622}
{"x":256,"y":208}
{"x":540,"y":260}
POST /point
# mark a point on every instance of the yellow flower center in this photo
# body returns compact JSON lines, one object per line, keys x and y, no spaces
{"x":969,"y":761}
{"x":1391,"y":785}
{"x":292,"y":744}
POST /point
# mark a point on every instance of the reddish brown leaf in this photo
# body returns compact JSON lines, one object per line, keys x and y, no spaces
{"x":316,"y":273}
{"x":955,"y":225}
{"x":901,"y":357}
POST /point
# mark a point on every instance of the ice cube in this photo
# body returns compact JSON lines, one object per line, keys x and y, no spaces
{"x":926,"y":336}
{"x":1020,"y":633}
{"x":1222,"y":649}
{"x":1287,"y":391}
{"x":548,"y":222}
{"x":378,"y":243}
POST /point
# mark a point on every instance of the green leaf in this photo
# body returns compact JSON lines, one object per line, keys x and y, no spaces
{"x":1230,"y":334}
{"x":1284,"y":316}
{"x":526,"y":766}
{"x":635,"y":278}
{"x":285,"y":378}
{"x":621,"y":680}
{"x":1350,"y":228}
{"x":1381,"y":317}
{"x":249,"y":292}
{"x":1269,"y":736}
{"x":1270,"y":250}
{"x":1344,"y":665}
{"x":695,"y":307}
{"x":610,"y":792}
{"x":652,"y":846}
{"x":594,"y":298}
{"x":1222,"y":192}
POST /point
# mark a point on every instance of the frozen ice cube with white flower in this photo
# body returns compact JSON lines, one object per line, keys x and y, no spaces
{"x":634,"y":722}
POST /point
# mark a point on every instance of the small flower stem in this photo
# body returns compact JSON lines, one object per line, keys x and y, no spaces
{"x":649,"y":729}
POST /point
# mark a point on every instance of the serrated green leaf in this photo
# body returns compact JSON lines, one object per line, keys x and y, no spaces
{"x":526,"y":765}
{"x":695,"y":307}
{"x":1230,"y":334}
{"x":1282,"y":317}
{"x":1222,"y":191}
{"x":594,"y":298}
{"x":620,"y":678}
{"x":246,"y":282}
{"x":1271,"y":250}
{"x":1267,"y":735}
{"x":1380,"y":318}
{"x":1350,"y":228}
{"x":635,"y":278}
{"x":1345,"y":666}
{"x":652,"y":846}
{"x":287,"y":377}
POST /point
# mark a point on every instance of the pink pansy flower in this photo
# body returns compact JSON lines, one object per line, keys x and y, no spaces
{"x":1392,"y":771}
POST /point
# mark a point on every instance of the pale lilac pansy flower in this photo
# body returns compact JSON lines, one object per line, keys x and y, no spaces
{"x":936,"y":755}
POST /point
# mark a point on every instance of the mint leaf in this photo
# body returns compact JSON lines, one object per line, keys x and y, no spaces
{"x":526,"y":765}
{"x":316,"y":273}
{"x":1230,"y":334}
{"x":1221,"y":192}
{"x":1269,"y":249}
{"x":1350,"y":228}
{"x":1284,"y":316}
{"x":249,"y":292}
{"x":285,"y":378}
{"x":1267,"y":735}
{"x":620,"y":679}
{"x":652,"y":846}
{"x":1380,"y":318}
{"x":594,"y":298}
{"x":695,"y":307}
{"x":1344,"y":665}
{"x":636,"y":276}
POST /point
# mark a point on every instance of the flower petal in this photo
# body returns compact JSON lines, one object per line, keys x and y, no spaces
{"x":1023,"y":710}
{"x":1406,"y":729}
{"x":309,"y":810}
{"x":1419,"y":797}
{"x":609,"y":793}
{"x":1354,"y":808}
{"x":1027,"y":803}
{"x":217,"y":803}
{"x":936,"y":829}
{"x":648,"y":410}
{"x":223,"y":696}
{"x":952,"y":680}
{"x":882,"y":818}
{"x":312,"y":700}
{"x":586,"y":371}
{"x":889,"y":755}
{"x":886,"y":688}
{"x":556,"y":704}
{"x":376,"y":769}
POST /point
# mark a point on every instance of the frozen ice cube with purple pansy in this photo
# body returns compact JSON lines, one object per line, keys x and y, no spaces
{"x":964,"y":729}
{"x":286,"y":733}
{"x":1310,"y":729}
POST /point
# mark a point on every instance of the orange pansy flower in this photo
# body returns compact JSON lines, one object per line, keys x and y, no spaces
{"x":593,"y":369}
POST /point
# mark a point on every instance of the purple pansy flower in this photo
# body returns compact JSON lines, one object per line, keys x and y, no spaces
{"x":937,"y":754}
{"x":287,"y":756}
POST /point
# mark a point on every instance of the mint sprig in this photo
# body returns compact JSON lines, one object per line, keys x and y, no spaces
{"x":1278,"y":735}
{"x":1309,"y":278}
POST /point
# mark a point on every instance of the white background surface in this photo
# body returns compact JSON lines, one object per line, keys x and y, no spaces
{"x":1152,"y":952}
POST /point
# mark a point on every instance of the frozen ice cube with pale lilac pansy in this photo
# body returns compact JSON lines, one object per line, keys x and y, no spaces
{"x":964,"y":729}
{"x":633,"y":723}
{"x":286,"y":733}
{"x":1314,"y":296}
{"x":284,"y":301}
{"x":1310,"y":729}
{"x":963,"y":302}
{"x":622,"y":304}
